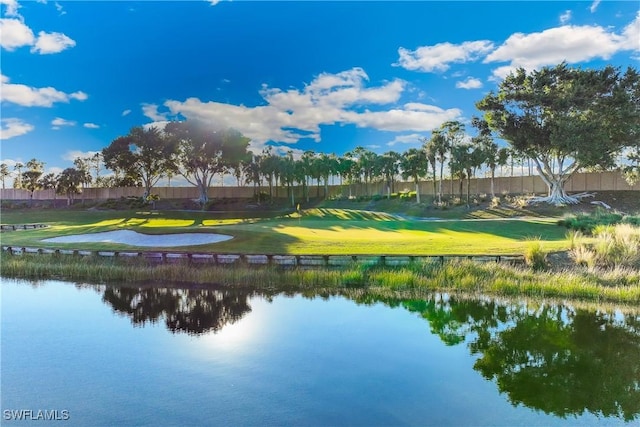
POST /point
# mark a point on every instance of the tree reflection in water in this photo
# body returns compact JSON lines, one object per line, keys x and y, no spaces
{"x":194,"y":311}
{"x":551,"y":357}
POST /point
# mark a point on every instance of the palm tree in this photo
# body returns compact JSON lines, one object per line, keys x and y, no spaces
{"x":453,"y":132}
{"x":18,"y":168}
{"x":348,"y":169}
{"x":4,"y":173}
{"x":441,"y":148}
{"x":387,"y":166}
{"x":431,"y":155}
{"x":414,"y":165}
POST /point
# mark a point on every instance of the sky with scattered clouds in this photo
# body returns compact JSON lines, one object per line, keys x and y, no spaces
{"x":297,"y":75}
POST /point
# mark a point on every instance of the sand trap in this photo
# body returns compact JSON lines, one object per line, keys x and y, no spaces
{"x":133,"y":238}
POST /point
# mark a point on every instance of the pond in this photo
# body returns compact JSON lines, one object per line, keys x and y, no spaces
{"x":109,"y":355}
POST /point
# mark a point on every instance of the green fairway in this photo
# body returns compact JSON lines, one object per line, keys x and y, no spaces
{"x":315,"y":231}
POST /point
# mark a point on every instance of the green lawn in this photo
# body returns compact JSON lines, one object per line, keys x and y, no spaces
{"x":316,"y":231}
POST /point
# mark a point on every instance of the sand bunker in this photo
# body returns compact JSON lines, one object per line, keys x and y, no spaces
{"x":133,"y":238}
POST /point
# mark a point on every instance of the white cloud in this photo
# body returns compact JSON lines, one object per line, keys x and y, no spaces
{"x":35,"y":97}
{"x":59,"y":122}
{"x":566,"y":43}
{"x":91,"y":126}
{"x":10,"y":162}
{"x":54,"y":170}
{"x":60,"y":9}
{"x":48,"y":43}
{"x":11,"y":7}
{"x":14,"y":127}
{"x":14,"y":34}
{"x":71,"y":155}
{"x":565,"y":17}
{"x":126,"y":113}
{"x":469,"y":83}
{"x":438,"y":57}
{"x":631,"y":35}
{"x":292,"y":114}
{"x":213,"y":2}
{"x":594,"y":6}
{"x":413,"y":138}
{"x":151,"y":111}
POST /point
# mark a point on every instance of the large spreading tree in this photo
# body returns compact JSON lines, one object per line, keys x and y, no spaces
{"x":565,"y":119}
{"x":204,"y":150}
{"x":144,"y":154}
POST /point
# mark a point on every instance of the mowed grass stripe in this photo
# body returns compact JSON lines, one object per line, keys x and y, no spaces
{"x":326,"y":231}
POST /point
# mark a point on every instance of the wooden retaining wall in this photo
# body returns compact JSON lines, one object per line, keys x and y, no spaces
{"x":263,"y":259}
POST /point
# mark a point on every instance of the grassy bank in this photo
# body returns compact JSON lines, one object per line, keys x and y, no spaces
{"x":613,"y":285}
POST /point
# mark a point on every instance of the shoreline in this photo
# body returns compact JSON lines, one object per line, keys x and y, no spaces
{"x":612,"y":286}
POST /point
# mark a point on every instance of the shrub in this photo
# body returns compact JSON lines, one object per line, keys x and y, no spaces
{"x":535,"y":256}
{"x":614,"y":246}
{"x":456,"y":201}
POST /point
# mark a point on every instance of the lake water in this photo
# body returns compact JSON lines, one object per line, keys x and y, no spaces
{"x":96,"y":355}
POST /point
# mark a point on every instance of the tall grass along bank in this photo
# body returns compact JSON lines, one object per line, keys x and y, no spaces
{"x":614,"y":285}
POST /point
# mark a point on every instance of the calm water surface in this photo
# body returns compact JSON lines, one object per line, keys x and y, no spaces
{"x":176,"y":357}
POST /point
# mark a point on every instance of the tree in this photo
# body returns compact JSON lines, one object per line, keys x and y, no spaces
{"x":50,"y":182}
{"x":365,"y":160}
{"x":288,"y":174}
{"x":431,"y":154}
{"x":466,"y":158}
{"x":31,"y":177}
{"x":631,"y":171}
{"x":203,"y":150}
{"x":565,"y":119}
{"x":414,"y":164}
{"x":453,"y":132}
{"x":387,"y":166}
{"x":348,"y":170}
{"x":144,"y":153}
{"x":4,"y":173}
{"x":269,"y":167}
{"x":17,"y":183}
{"x":69,"y":182}
{"x":493,"y":155}
{"x":441,"y":148}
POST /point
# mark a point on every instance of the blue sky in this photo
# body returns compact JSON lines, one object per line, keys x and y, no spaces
{"x":326,"y":76}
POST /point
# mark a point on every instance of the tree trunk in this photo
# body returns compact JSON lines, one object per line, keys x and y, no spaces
{"x":417,"y":191}
{"x":468,"y":188}
{"x":440,"y":183}
{"x":555,"y":183}
{"x":203,"y":198}
{"x":493,"y":176}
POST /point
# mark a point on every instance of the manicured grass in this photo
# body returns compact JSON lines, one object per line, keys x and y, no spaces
{"x":315,"y":231}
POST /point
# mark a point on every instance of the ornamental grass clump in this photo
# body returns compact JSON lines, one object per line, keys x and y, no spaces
{"x":535,"y":256}
{"x":614,"y":246}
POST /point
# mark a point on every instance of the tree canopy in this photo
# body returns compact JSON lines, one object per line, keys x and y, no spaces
{"x":565,"y":119}
{"x":204,"y":150}
{"x":144,"y":154}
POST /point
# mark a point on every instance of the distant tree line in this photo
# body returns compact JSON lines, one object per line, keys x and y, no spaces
{"x":557,"y":120}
